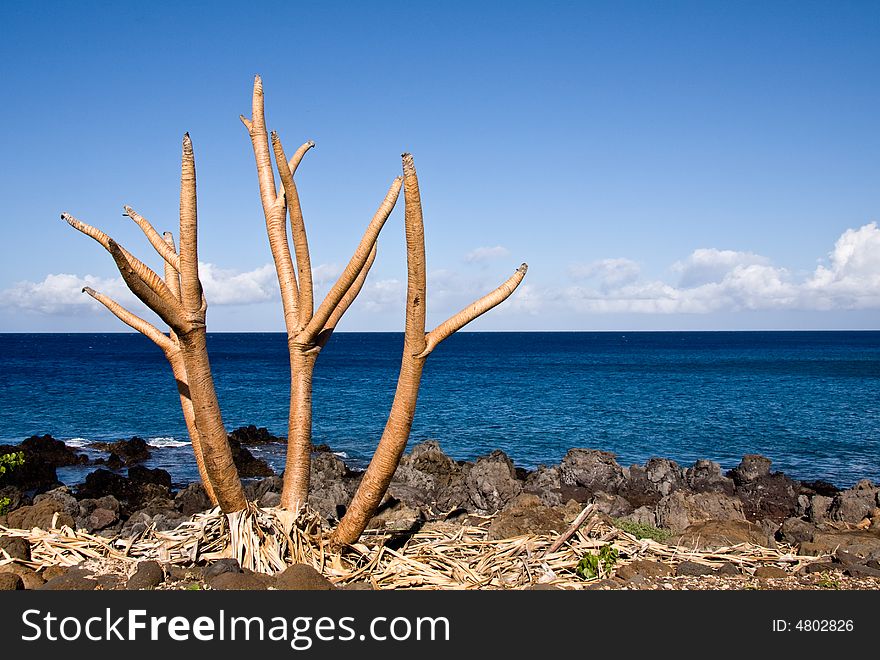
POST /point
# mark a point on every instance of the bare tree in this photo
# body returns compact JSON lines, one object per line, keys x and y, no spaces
{"x":178,"y":301}
{"x":416,"y":347}
{"x":307,"y":329}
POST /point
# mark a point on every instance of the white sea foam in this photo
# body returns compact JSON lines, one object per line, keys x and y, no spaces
{"x":341,"y":454}
{"x":77,"y":442}
{"x":166,"y":442}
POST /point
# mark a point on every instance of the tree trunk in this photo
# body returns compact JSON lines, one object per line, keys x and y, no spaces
{"x":387,"y":456}
{"x":295,"y":492}
{"x":219,"y":465}
{"x":189,"y":416}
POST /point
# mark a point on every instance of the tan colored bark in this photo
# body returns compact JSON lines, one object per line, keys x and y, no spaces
{"x":305,"y":303}
{"x":355,"y":265}
{"x":175,"y":359}
{"x":183,"y":307}
{"x":168,"y":254}
{"x":307,"y":330}
{"x":417,"y":346}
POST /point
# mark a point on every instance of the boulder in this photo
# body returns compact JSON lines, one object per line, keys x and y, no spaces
{"x":526,"y":514}
{"x":856,"y":504}
{"x":254,"y":490}
{"x":750,"y":468}
{"x":546,"y":483}
{"x":302,"y":577}
{"x":10,"y":581}
{"x":706,"y":477}
{"x":246,"y":463}
{"x":679,"y":510}
{"x":220,"y":566}
{"x":192,"y":500}
{"x":72,"y":579}
{"x":862,"y":543}
{"x":769,"y":497}
{"x":394,"y":515}
{"x":658,"y":478}
{"x":796,"y":530}
{"x":15,"y":496}
{"x":125,"y":452}
{"x":491,"y":483}
{"x":143,"y":475}
{"x":644,"y":568}
{"x":132,"y":492}
{"x":644,"y":515}
{"x":819,"y":509}
{"x":149,"y":575}
{"x":42,"y":454}
{"x":40,"y":515}
{"x":427,"y":476}
{"x":239,"y":582}
{"x":101,"y":519}
{"x":29,"y":576}
{"x":62,"y":499}
{"x":714,"y":534}
{"x":592,"y":469}
{"x":252,"y":435}
{"x":611,"y":505}
{"x":16,"y":547}
{"x":331,"y":485}
{"x":693,"y":569}
{"x":770,"y":572}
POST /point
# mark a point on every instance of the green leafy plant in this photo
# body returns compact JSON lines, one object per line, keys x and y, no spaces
{"x":642,"y":531}
{"x":7,"y":462}
{"x":826,"y":581}
{"x":593,"y":566}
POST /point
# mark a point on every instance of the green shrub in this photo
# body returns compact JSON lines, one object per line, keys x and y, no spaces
{"x":7,"y":462}
{"x":593,"y":566}
{"x":642,"y":531}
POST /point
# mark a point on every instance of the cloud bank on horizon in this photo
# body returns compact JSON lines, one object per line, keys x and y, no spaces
{"x":709,"y":280}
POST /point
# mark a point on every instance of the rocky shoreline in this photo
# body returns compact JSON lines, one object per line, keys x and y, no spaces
{"x":699,"y":507}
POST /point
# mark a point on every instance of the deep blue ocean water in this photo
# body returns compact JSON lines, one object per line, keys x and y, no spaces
{"x":808,"y":400}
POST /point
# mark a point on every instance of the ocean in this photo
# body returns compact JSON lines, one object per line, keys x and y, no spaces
{"x":807,"y":400}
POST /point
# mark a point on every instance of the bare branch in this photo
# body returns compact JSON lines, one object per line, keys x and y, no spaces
{"x":354,"y":266}
{"x":172,"y":274}
{"x":190,"y":286}
{"x":144,"y":272}
{"x":305,"y":302}
{"x":153,"y":236}
{"x":347,"y":299}
{"x":297,"y":157}
{"x":166,"y":306}
{"x":132,"y":320}
{"x":260,"y":139}
{"x":472,"y":311}
{"x":416,"y":288}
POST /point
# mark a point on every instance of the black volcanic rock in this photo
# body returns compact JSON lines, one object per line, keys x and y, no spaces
{"x":252,"y":435}
{"x":128,"y":452}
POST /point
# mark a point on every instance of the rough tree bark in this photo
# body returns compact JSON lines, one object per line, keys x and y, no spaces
{"x":307,"y":329}
{"x":416,"y":348}
{"x":180,"y":303}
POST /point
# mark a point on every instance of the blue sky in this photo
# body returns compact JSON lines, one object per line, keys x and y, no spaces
{"x":659,"y":165}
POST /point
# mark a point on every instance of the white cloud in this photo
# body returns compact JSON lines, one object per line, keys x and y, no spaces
{"x":707,"y":265}
{"x":610,"y":272}
{"x":224,"y":286}
{"x":482,"y":254}
{"x":714,"y":280}
{"x":61,"y":293}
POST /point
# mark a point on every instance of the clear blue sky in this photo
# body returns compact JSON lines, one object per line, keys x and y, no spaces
{"x":659,"y":165}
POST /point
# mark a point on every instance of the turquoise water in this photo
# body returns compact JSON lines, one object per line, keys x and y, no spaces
{"x":808,"y":400}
